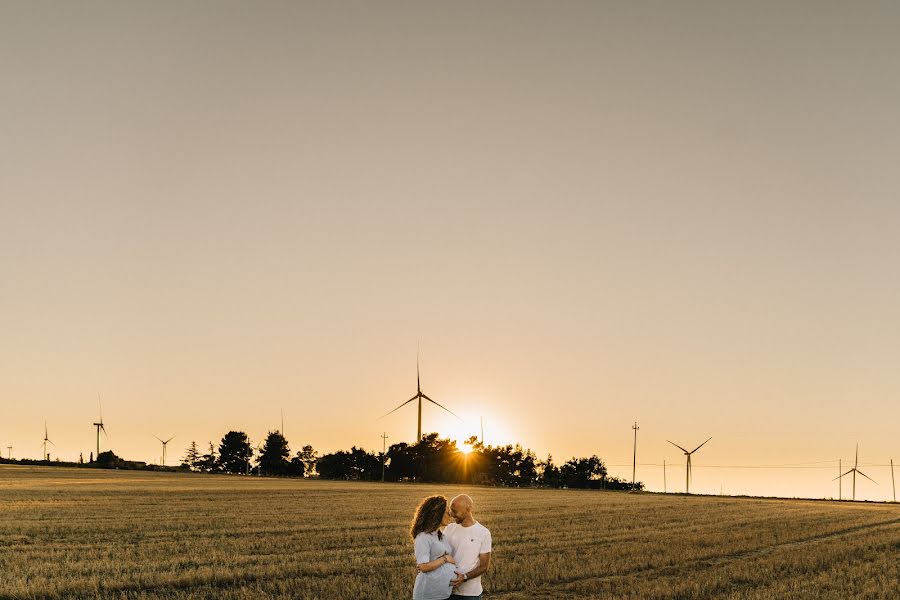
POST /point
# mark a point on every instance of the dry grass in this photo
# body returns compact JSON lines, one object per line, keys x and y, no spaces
{"x":69,"y":533}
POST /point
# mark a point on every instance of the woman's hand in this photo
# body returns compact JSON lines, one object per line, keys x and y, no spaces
{"x":449,"y":559}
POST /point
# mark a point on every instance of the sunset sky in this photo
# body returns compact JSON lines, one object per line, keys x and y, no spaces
{"x":585,"y":213}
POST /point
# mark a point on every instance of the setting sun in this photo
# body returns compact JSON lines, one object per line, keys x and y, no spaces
{"x":465,"y":448}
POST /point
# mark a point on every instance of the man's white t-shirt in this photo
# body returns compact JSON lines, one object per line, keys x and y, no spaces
{"x":466,"y":544}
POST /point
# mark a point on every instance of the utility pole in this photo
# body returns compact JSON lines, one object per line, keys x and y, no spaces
{"x":384,"y":437}
{"x":482,"y":430}
{"x":634,"y":459}
{"x":664,"y":476}
{"x":893,"y":484}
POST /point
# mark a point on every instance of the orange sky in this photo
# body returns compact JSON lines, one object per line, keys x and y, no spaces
{"x":588,"y":214}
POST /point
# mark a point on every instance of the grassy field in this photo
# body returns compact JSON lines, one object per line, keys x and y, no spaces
{"x":78,"y":533}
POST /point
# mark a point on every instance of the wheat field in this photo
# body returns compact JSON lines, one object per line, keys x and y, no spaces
{"x":80,"y":533}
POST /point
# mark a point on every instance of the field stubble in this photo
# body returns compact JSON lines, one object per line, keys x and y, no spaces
{"x":78,"y":533}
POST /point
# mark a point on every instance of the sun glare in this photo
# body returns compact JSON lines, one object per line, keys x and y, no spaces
{"x":465,"y":448}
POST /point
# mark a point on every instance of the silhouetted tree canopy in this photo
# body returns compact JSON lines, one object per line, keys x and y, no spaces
{"x":235,"y":452}
{"x":356,"y":464}
{"x":108,"y":460}
{"x":582,"y":473}
{"x":307,"y":457}
{"x":432,"y":459}
{"x":439,"y":460}
{"x":549,"y":473}
{"x":209,"y":462}
{"x":273,"y":459}
{"x":191,"y":458}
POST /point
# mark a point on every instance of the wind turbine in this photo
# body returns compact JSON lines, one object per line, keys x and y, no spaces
{"x":854,"y":470}
{"x":420,"y":396}
{"x":258,"y":463}
{"x":9,"y":453}
{"x":99,"y":426}
{"x":46,"y":440}
{"x":687,"y":477}
{"x":164,"y":447}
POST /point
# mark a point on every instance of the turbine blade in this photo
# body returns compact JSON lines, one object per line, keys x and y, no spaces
{"x":398,"y":408}
{"x":839,"y":476}
{"x":700,"y":446}
{"x":169,"y":440}
{"x":444,"y":407}
{"x":679,"y":447}
{"x":51,"y":443}
{"x":867,"y":477}
{"x":418,"y":380}
{"x":157,"y":438}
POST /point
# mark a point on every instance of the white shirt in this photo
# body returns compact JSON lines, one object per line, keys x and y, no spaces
{"x":467,"y":543}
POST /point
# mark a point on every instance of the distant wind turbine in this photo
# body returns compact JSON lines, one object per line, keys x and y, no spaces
{"x":854,"y":470}
{"x":420,"y":396}
{"x":258,"y":456}
{"x":164,"y":447}
{"x":99,"y":426}
{"x":9,"y":453}
{"x":46,"y":441}
{"x":687,"y":477}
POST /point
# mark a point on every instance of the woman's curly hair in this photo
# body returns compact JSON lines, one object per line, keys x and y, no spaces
{"x":429,"y":515}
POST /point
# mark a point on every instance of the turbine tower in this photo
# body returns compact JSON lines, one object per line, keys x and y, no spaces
{"x":164,"y":447}
{"x":46,"y":441}
{"x":420,"y":396}
{"x":854,"y":470}
{"x":9,"y":453}
{"x":687,"y":476}
{"x":99,"y":426}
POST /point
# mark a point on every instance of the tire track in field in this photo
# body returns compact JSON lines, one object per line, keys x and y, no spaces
{"x":551,"y":590}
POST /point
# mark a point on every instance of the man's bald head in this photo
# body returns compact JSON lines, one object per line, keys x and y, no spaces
{"x":461,"y":508}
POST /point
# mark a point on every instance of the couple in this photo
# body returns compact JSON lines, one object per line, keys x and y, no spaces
{"x":450,"y":562}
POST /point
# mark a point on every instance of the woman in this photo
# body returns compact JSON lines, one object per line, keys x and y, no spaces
{"x":433,"y":559}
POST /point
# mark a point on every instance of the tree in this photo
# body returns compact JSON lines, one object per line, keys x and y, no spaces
{"x":356,"y":464}
{"x":108,"y":460}
{"x":296,"y":468}
{"x":191,"y":458}
{"x":583,"y":472}
{"x":235,"y":452}
{"x":308,"y":457}
{"x":209,"y":462}
{"x":526,"y":467}
{"x":549,"y":475}
{"x":273,"y":460}
{"x":400,"y":463}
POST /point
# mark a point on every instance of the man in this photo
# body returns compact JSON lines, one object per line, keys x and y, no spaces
{"x":470,"y":543}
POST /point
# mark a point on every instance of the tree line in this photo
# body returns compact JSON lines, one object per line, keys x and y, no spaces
{"x":432,"y":459}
